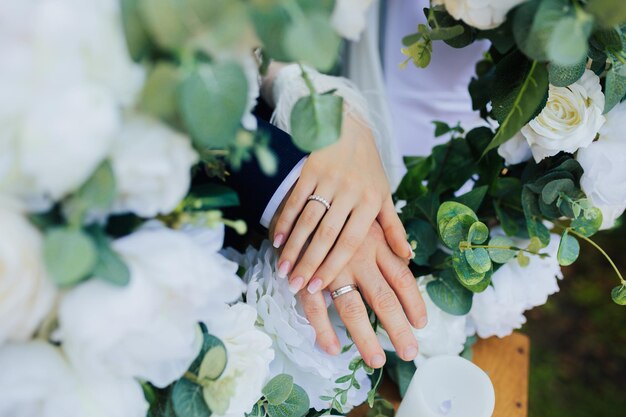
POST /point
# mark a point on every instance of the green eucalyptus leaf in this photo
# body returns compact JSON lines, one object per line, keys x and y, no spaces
{"x":446,"y":33}
{"x":457,"y":230}
{"x":569,"y":249}
{"x":478,"y":259}
{"x":501,"y":254}
{"x":208,"y":342}
{"x":187,"y":399}
{"x":522,"y":259}
{"x":478,"y":233}
{"x":588,"y":223}
{"x":213,"y":100}
{"x":162,"y":19}
{"x":450,"y":209}
{"x":296,"y":405}
{"x":533,"y":24}
{"x":209,"y":197}
{"x":97,"y":194}
{"x":137,"y":39}
{"x":615,"y":86}
{"x":213,"y":362}
{"x":568,"y":42}
{"x":482,"y":285}
{"x":316,"y":121}
{"x":449,"y":295}
{"x":535,"y":245}
{"x":618,"y":294}
{"x":411,"y":186}
{"x":608,"y":13}
{"x":466,"y":274}
{"x":564,"y":75}
{"x":278,"y":389}
{"x":509,"y":224}
{"x":159,"y":96}
{"x":536,"y":228}
{"x":109,"y":265}
{"x":425,"y":239}
{"x":70,"y":255}
{"x":313,"y":41}
{"x":553,"y":189}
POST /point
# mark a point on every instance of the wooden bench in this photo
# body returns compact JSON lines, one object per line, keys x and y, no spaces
{"x":505,"y":361}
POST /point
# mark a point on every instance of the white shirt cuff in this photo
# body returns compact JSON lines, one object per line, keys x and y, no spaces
{"x":280,"y":193}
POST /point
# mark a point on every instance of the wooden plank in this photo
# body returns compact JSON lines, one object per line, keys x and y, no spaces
{"x":505,"y":361}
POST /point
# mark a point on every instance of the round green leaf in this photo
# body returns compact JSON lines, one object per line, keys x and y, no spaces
{"x":213,"y":363}
{"x":478,"y":259}
{"x":70,"y":255}
{"x":466,"y":274}
{"x":499,"y":251}
{"x":316,"y":121}
{"x":425,"y":238}
{"x":187,"y":399}
{"x":588,"y":223}
{"x":553,"y":189}
{"x":160,"y":92}
{"x":618,"y":294}
{"x":457,"y":230}
{"x":213,"y":100}
{"x":109,"y":266}
{"x":562,"y":76}
{"x":478,"y":233}
{"x":450,"y":209}
{"x":296,"y":405}
{"x":569,"y":248}
{"x":312,"y":40}
{"x":449,"y":295}
{"x":278,"y":389}
{"x":568,"y":42}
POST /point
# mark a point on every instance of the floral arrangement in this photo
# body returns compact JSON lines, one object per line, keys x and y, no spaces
{"x":117,"y":298}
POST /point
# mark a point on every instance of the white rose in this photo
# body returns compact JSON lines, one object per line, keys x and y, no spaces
{"x":152,"y":166}
{"x":499,"y":309}
{"x":481,"y":14}
{"x":67,"y":78}
{"x":445,"y":334}
{"x":249,"y":355}
{"x":350,"y":17}
{"x":37,"y":381}
{"x":515,"y":150}
{"x":570,"y":120}
{"x":293,"y":337}
{"x":604,"y":162}
{"x":149,"y":328}
{"x":26,"y":293}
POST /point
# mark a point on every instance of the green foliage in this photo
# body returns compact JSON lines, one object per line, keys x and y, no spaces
{"x":615,"y":85}
{"x":109,"y":265}
{"x":423,"y":239}
{"x":562,"y":76}
{"x":210,"y":196}
{"x":449,"y":295}
{"x":188,"y":400}
{"x":499,"y":251}
{"x":401,"y":372}
{"x":313,"y":41}
{"x":278,"y":389}
{"x":474,"y":198}
{"x":618,"y":294}
{"x":608,"y":13}
{"x":568,"y":41}
{"x":96,"y":194}
{"x":212,"y":101}
{"x":70,"y":255}
{"x":569,"y":249}
{"x":214,"y":361}
{"x":316,"y":121}
{"x":160,"y":92}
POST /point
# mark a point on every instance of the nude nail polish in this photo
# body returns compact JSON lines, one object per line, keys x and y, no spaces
{"x":279,"y":238}
{"x":410,"y":353}
{"x":314,"y":286}
{"x":422,"y":322}
{"x":283,"y":269}
{"x":296,"y":284}
{"x":377,"y":361}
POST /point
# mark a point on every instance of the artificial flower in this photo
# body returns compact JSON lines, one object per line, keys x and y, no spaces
{"x":350,"y":17}
{"x":481,"y":14}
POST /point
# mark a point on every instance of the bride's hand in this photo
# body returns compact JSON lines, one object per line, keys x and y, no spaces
{"x":349,"y":175}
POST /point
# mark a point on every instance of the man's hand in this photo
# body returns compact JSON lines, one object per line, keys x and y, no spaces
{"x":388,"y":286}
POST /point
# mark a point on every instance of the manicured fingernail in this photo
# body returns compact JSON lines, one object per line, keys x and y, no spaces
{"x":333,"y":349}
{"x":279,"y":238}
{"x":378,"y":361}
{"x":283,"y":269}
{"x":422,"y":322}
{"x":410,"y":252}
{"x":314,"y":286}
{"x":410,"y":353}
{"x":296,"y":284}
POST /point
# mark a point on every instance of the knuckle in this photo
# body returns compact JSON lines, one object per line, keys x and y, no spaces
{"x":370,"y":197}
{"x":352,"y":309}
{"x":351,"y":242}
{"x":376,"y":232}
{"x":328,"y":232}
{"x":384,"y":301}
{"x":312,"y":309}
{"x":403,"y":335}
{"x":404,"y":278}
{"x":309,"y":218}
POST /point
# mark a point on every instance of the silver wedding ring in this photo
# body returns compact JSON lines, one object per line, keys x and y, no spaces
{"x":343,"y":290}
{"x":319,"y":199}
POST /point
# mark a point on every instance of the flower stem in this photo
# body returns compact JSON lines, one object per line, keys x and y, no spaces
{"x":595,"y":245}
{"x":192,"y":377}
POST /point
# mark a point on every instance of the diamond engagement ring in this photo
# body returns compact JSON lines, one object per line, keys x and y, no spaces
{"x":343,"y":290}
{"x":319,"y":199}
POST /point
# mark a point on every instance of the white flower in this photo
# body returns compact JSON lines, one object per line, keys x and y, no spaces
{"x":515,"y":150}
{"x":251,"y":69}
{"x":37,"y":381}
{"x":604,"y":162}
{"x":65,"y":80}
{"x":152,"y":167}
{"x":350,"y":17}
{"x":26,"y":293}
{"x":249,"y":353}
{"x":149,"y":328}
{"x":570,"y":120}
{"x":481,"y":14}
{"x":499,"y":309}
{"x":292,"y":335}
{"x":445,"y":334}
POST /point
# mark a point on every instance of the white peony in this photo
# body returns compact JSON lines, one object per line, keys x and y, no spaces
{"x":149,"y":328}
{"x":515,"y":150}
{"x":26,"y":293}
{"x":66,"y":78}
{"x":152,"y":166}
{"x":445,"y":334}
{"x":37,"y":381}
{"x":293,"y":337}
{"x":499,"y":309}
{"x":604,"y":162}
{"x":249,"y":353}
{"x":350,"y":17}
{"x":481,"y":14}
{"x":570,"y":120}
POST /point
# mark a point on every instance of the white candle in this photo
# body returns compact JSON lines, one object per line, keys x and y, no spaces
{"x":448,"y":386}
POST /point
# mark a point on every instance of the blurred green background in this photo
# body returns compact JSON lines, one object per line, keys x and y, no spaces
{"x":578,"y":339}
